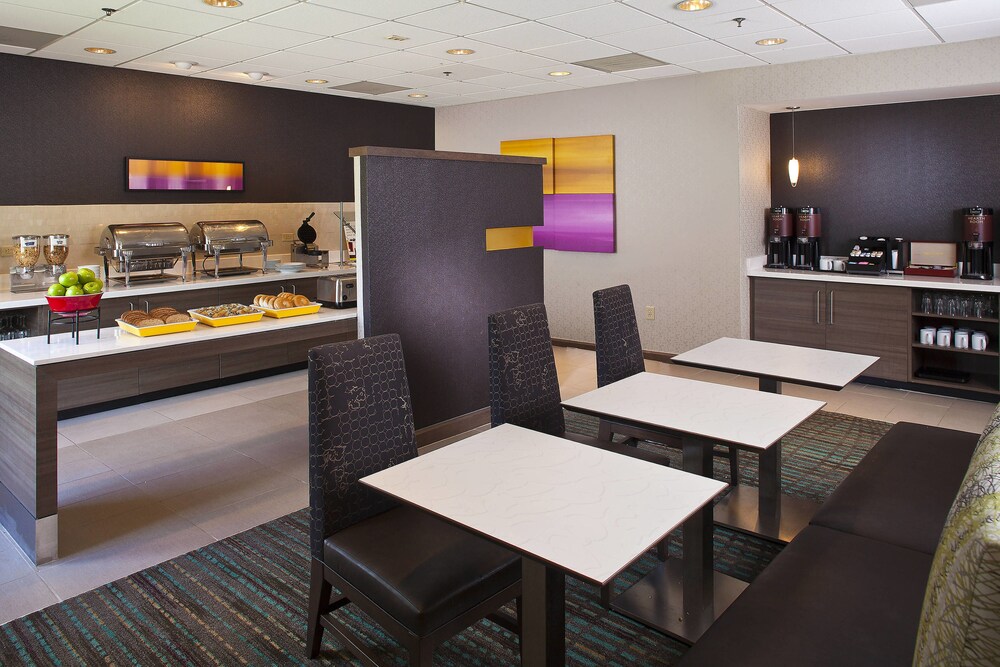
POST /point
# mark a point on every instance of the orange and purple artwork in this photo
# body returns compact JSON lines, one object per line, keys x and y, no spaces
{"x":578,"y":191}
{"x":183,"y":175}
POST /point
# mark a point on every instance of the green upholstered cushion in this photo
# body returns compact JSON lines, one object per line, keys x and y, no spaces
{"x":960,"y":620}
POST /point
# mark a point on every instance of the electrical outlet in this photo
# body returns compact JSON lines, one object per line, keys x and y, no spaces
{"x":650,"y":313}
{"x":287,"y":236}
{"x":7,"y":251}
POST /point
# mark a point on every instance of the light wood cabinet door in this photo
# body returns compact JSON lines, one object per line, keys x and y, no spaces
{"x":792,"y":312}
{"x":871,"y":319}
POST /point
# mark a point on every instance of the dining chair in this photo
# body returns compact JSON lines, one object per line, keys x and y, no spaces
{"x":619,"y":355}
{"x":524,"y":386}
{"x":421,"y":579}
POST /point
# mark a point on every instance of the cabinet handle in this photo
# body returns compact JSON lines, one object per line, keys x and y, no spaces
{"x":831,"y":306}
{"x":817,"y":308}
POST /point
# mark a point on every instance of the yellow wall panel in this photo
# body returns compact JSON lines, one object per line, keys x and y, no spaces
{"x":533,"y":148}
{"x":585,"y":165}
{"x":506,"y":238}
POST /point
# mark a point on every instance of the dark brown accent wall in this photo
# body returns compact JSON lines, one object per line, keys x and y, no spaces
{"x":65,"y":129}
{"x":894,"y":169}
{"x":425,"y":272}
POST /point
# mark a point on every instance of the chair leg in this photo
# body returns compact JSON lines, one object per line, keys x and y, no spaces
{"x":734,"y":466}
{"x":663,"y":548}
{"x":319,"y":598}
{"x":422,"y":655}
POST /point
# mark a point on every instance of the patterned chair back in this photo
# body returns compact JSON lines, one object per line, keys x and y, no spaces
{"x":616,"y":333}
{"x":360,"y":422}
{"x":524,"y":387}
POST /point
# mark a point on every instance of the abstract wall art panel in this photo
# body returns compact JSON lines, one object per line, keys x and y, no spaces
{"x":142,"y":174}
{"x":579,"y":191}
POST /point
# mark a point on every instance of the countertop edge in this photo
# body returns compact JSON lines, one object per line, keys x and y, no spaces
{"x":919,"y":282}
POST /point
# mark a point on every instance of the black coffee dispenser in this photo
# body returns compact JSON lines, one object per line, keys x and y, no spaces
{"x":808,"y":225}
{"x":780,"y":233}
{"x":977,"y":243}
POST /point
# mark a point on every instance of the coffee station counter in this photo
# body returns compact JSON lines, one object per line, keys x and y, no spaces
{"x":916,"y":282}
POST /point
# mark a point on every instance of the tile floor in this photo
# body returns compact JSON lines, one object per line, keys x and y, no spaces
{"x":143,"y":484}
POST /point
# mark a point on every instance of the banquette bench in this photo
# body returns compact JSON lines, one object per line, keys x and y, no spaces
{"x":900,"y":566}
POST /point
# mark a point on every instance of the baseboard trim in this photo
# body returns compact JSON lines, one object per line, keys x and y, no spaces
{"x":451,"y":427}
{"x":665,"y":357}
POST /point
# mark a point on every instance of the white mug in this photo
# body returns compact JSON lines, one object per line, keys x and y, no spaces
{"x":927,"y":335}
{"x":980,"y":340}
{"x":839,"y":265}
{"x":943,"y":338}
{"x":962,"y":339}
{"x":826,"y":265}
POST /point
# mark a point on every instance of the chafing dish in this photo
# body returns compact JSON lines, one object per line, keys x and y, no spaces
{"x":220,"y":238}
{"x":148,"y":246}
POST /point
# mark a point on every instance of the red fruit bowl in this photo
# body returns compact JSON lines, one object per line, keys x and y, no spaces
{"x":71,"y":304}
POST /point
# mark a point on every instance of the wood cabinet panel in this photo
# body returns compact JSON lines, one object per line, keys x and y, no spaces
{"x":789,"y":311}
{"x":870,"y":319}
{"x":98,"y":388}
{"x":178,"y":374}
{"x":299,"y":350}
{"x":249,"y":361}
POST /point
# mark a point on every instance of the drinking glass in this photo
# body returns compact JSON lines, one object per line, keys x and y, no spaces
{"x":939,"y":304}
{"x":965,"y":306}
{"x":925,"y":304}
{"x":951,"y":305}
{"x":979,"y":306}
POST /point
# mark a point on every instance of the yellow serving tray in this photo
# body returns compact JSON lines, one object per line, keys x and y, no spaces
{"x":226,"y":321}
{"x":157,"y":329}
{"x":291,"y":312}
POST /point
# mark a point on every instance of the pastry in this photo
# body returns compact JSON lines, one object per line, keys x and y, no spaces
{"x":301,"y":300}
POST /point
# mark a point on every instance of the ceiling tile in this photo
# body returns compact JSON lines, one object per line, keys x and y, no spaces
{"x":403,"y":61}
{"x":378,"y":34}
{"x":73,"y":46}
{"x":459,"y":72}
{"x":356,"y":72}
{"x":816,"y":11}
{"x":299,"y":80}
{"x":798,"y":54}
{"x":16,"y":50}
{"x":244,"y":12}
{"x":732,"y":62}
{"x":576,"y":71}
{"x":165,"y":60}
{"x":299,"y":62}
{"x":340,"y":49}
{"x":689,"y":53}
{"x":404,"y":96}
{"x":524,"y":36}
{"x":91,"y":8}
{"x":383,"y":9}
{"x":86,"y":58}
{"x":157,"y":68}
{"x":904,"y":40}
{"x":961,"y":33}
{"x":796,"y":36}
{"x":655,"y":72}
{"x":410,"y":80}
{"x":117,"y":33}
{"x":439,"y":49}
{"x":461,"y":19}
{"x":172,"y":19}
{"x":537,"y":9}
{"x":256,"y":34}
{"x":317,"y":20}
{"x":507,"y":80}
{"x":667,"y":10}
{"x":514,"y":61}
{"x":543,"y":87}
{"x":874,"y":25}
{"x":602,"y":20}
{"x":39,"y":20}
{"x":724,"y":25}
{"x":655,"y":37}
{"x":599,"y":80}
{"x":458,"y":88}
{"x":225,"y":74}
{"x":206,"y":47}
{"x":960,"y":12}
{"x":585,"y":49}
{"x":490,"y":95}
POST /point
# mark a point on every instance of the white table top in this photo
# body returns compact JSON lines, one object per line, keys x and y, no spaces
{"x":723,"y":414}
{"x":806,"y":365}
{"x":114,"y":340}
{"x":588,"y":511}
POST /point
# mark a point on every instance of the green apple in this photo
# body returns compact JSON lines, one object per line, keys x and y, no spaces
{"x":56,"y":289}
{"x":85,"y":276}
{"x":93,"y":287}
{"x":74,"y":290}
{"x":69,"y":279}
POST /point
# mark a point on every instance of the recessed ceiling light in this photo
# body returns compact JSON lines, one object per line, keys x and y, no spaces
{"x":184,"y":64}
{"x":256,"y":76}
{"x":693,"y":5}
{"x":228,"y":4}
{"x":559,"y":73}
{"x":100,"y":50}
{"x":317,"y":81}
{"x":460,"y":52}
{"x":417,"y":95}
{"x":771,"y":41}
{"x":396,"y":38}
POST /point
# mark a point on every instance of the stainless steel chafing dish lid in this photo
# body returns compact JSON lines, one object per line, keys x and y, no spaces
{"x":148,"y":239}
{"x":229,"y":235}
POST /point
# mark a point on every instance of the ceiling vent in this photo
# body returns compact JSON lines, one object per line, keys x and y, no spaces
{"x":369,"y":88}
{"x":26,"y":39}
{"x":622,"y":63}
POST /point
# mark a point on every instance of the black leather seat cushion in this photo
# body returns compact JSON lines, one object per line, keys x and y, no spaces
{"x":829,"y":599}
{"x":902,"y":490}
{"x":418,"y":568}
{"x":617,"y":448}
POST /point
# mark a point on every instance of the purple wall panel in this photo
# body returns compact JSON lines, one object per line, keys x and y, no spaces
{"x":583,"y":223}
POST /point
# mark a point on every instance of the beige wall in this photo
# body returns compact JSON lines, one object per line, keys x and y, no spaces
{"x":692,"y":173}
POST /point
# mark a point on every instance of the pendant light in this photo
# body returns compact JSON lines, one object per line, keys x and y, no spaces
{"x":793,"y":164}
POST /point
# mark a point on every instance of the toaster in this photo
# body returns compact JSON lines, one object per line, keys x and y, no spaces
{"x":338,"y":291}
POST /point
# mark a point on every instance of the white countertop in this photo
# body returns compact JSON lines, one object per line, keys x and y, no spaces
{"x":114,"y":340}
{"x":10,"y":300}
{"x":919,"y":282}
{"x":706,"y":410}
{"x":784,"y":362}
{"x":588,"y":511}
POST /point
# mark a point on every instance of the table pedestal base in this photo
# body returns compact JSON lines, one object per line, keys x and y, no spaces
{"x":657,"y":601}
{"x":739,"y":510}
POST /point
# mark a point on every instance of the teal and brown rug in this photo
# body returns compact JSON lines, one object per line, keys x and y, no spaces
{"x":241,"y":601}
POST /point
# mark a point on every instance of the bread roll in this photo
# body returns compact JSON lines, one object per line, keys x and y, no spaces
{"x":285,"y":303}
{"x":163,"y":312}
{"x":150,"y":322}
{"x":285,"y":295}
{"x":177,"y":318}
{"x":133,"y":312}
{"x":134,"y":318}
{"x":301,"y":300}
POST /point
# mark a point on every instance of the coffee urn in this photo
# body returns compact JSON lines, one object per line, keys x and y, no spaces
{"x":977,"y":243}
{"x":780,"y":233}
{"x":808,"y":222}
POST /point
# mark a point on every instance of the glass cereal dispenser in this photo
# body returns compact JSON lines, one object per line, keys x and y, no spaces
{"x":26,"y":251}
{"x":56,"y":249}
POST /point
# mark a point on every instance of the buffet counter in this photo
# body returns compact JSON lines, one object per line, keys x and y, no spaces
{"x":914,"y":282}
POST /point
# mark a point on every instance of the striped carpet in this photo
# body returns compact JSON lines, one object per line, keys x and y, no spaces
{"x":241,"y":601}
